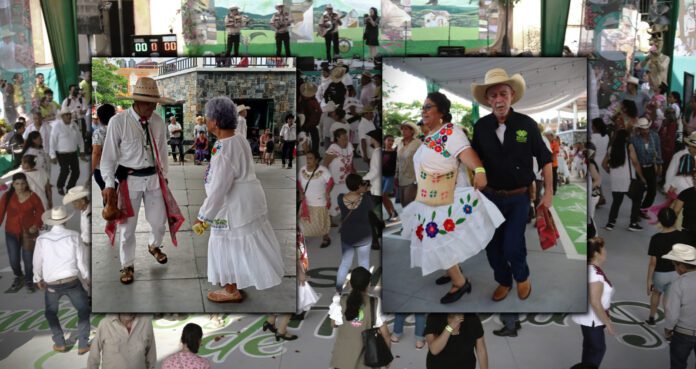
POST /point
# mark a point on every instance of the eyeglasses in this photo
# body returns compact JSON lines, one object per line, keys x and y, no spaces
{"x":427,"y":107}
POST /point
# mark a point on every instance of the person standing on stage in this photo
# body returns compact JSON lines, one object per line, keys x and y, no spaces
{"x":281,"y":22}
{"x":234,"y":22}
{"x":328,"y":28}
{"x":507,"y":142}
{"x":371,"y":34}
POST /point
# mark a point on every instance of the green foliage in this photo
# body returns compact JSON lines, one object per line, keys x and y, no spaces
{"x":109,"y":84}
{"x":396,"y":113}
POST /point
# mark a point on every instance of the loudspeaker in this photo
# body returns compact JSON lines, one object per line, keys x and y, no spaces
{"x":451,"y":51}
{"x":305,"y":64}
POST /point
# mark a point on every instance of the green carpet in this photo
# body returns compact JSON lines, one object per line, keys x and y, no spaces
{"x":570,"y":203}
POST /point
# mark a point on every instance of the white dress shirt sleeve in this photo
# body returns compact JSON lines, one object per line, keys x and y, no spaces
{"x":54,"y":142}
{"x":37,"y":261}
{"x":161,"y":138}
{"x":110,"y":152}
{"x":82,"y":262}
{"x":221,"y":182}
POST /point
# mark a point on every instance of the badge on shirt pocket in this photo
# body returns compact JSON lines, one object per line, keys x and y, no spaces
{"x":521,"y":135}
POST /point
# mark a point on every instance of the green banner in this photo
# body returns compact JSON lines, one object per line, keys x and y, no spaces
{"x":61,"y":28}
{"x":431,"y":85}
{"x":554,"y":16}
{"x":668,"y":47}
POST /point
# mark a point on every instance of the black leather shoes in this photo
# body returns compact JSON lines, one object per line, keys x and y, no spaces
{"x":451,"y":297}
{"x":506,"y":332}
{"x":445,"y":279}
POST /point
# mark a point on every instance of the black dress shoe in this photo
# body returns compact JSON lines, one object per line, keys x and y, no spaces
{"x":451,"y":297}
{"x":506,"y":332}
{"x":269,"y":326}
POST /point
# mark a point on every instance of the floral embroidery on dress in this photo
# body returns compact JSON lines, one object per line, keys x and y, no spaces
{"x":308,"y":175}
{"x":437,"y":140}
{"x":346,"y":159}
{"x":434,"y":228}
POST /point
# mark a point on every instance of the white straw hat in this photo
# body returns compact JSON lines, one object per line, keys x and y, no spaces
{"x":56,"y":216}
{"x":498,"y":76}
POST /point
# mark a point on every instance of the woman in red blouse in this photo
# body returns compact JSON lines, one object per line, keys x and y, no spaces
{"x":24,"y":208}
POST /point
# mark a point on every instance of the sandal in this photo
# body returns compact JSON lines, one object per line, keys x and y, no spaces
{"x":394,"y":339}
{"x":158,"y":254}
{"x":127,"y":275}
{"x":420,"y":345}
{"x":222,"y":295}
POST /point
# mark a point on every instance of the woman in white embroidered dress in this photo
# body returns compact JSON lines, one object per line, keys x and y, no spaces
{"x":242,"y":249}
{"x":339,"y":160}
{"x":447,"y":224}
{"x":314,"y":184}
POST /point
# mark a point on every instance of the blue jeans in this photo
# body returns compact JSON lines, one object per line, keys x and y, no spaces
{"x":16,"y":254}
{"x":593,"y":345}
{"x":347,"y":260}
{"x":399,"y":320}
{"x":679,"y":350}
{"x":507,"y":251}
{"x":78,"y":297}
{"x":510,"y":320}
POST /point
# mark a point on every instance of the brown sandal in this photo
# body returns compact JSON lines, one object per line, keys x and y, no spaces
{"x":127,"y":275}
{"x":158,"y":254}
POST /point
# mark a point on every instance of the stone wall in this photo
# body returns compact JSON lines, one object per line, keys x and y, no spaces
{"x":197,"y":87}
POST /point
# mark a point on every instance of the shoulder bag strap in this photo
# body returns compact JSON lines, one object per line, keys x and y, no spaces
{"x":628,"y":158}
{"x":349,"y":213}
{"x":372,"y":312}
{"x":310,"y":179}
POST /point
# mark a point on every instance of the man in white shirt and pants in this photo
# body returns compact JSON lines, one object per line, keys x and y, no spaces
{"x":135,"y":144}
{"x":289,"y":135}
{"x":241,"y":129}
{"x":66,"y":144}
{"x":59,"y":261}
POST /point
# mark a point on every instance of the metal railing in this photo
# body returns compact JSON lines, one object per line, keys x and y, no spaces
{"x":244,"y":62}
{"x":176,"y":65}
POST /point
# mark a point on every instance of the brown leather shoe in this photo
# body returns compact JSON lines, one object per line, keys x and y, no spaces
{"x":59,"y":348}
{"x":524,"y":289}
{"x":82,"y":351}
{"x":501,"y":292}
{"x":222,"y":295}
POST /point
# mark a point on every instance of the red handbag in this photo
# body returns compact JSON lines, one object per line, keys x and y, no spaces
{"x":546,"y":227}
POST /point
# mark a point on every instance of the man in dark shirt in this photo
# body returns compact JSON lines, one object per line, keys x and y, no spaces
{"x":506,"y":142}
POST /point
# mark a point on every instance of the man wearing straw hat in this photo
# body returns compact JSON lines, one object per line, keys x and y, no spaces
{"x":135,"y":153}
{"x":507,"y":141}
{"x":234,"y":22}
{"x":680,"y":308}
{"x":677,"y":183}
{"x":281,"y":22}
{"x":328,"y":28}
{"x":58,"y":262}
{"x":66,"y":143}
{"x":242,"y":111}
{"x":633,"y":93}
{"x":309,"y":106}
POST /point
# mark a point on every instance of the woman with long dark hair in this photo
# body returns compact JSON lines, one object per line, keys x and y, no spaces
{"x":621,"y":162}
{"x":34,"y":146}
{"x":371,"y":35}
{"x":187,"y":358}
{"x":351,"y":315}
{"x":23,"y":209}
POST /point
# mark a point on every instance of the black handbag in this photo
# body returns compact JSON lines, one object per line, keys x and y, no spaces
{"x":636,"y":188}
{"x":376,"y":353}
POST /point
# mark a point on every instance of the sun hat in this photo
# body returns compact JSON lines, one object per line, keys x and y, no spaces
{"x":337,"y":74}
{"x":497,"y":76}
{"x":75,"y":193}
{"x":56,"y":216}
{"x":146,"y":90}
{"x":691,"y":140}
{"x":643,"y":123}
{"x":308,"y":89}
{"x":329,"y":107}
{"x":682,"y":253}
{"x":414,"y":127}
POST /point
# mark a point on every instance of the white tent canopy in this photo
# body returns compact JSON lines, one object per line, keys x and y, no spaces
{"x":551,"y":82}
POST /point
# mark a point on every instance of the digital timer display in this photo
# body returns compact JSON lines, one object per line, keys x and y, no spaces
{"x":155,"y":45}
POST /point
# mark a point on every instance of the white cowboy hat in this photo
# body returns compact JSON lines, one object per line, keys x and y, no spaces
{"x":75,"y":193}
{"x":414,"y":127}
{"x":279,"y":5}
{"x":682,"y":253}
{"x":497,"y":76}
{"x":633,"y":80}
{"x":352,"y":101}
{"x":242,"y":107}
{"x":64,"y":111}
{"x":337,"y":74}
{"x":308,"y":89}
{"x":328,"y":6}
{"x":233,"y":8}
{"x":643,"y":123}
{"x":145,"y":89}
{"x":56,"y":216}
{"x":6,"y":32}
{"x":691,"y":140}
{"x":329,"y":107}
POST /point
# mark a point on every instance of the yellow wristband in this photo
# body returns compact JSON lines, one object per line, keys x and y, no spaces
{"x":449,"y":329}
{"x":478,"y":170}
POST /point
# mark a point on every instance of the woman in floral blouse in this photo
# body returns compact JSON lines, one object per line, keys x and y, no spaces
{"x":339,"y":160}
{"x":187,"y":358}
{"x":449,"y":221}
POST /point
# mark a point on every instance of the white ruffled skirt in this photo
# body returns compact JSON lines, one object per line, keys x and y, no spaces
{"x":248,"y":256}
{"x":444,"y":236}
{"x":306,"y":297}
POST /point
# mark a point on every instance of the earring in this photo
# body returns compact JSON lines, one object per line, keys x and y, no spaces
{"x":440,"y":120}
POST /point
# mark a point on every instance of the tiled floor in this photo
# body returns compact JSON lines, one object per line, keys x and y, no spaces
{"x":181,"y":285}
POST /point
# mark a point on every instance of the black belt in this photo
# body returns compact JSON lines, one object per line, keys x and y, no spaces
{"x":123,"y":172}
{"x":506,"y":193}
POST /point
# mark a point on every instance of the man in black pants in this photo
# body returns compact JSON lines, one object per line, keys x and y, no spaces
{"x":646,"y":143}
{"x":329,"y":29}
{"x":234,"y":22}
{"x":289,"y":135}
{"x":66,"y":144}
{"x":281,"y":22}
